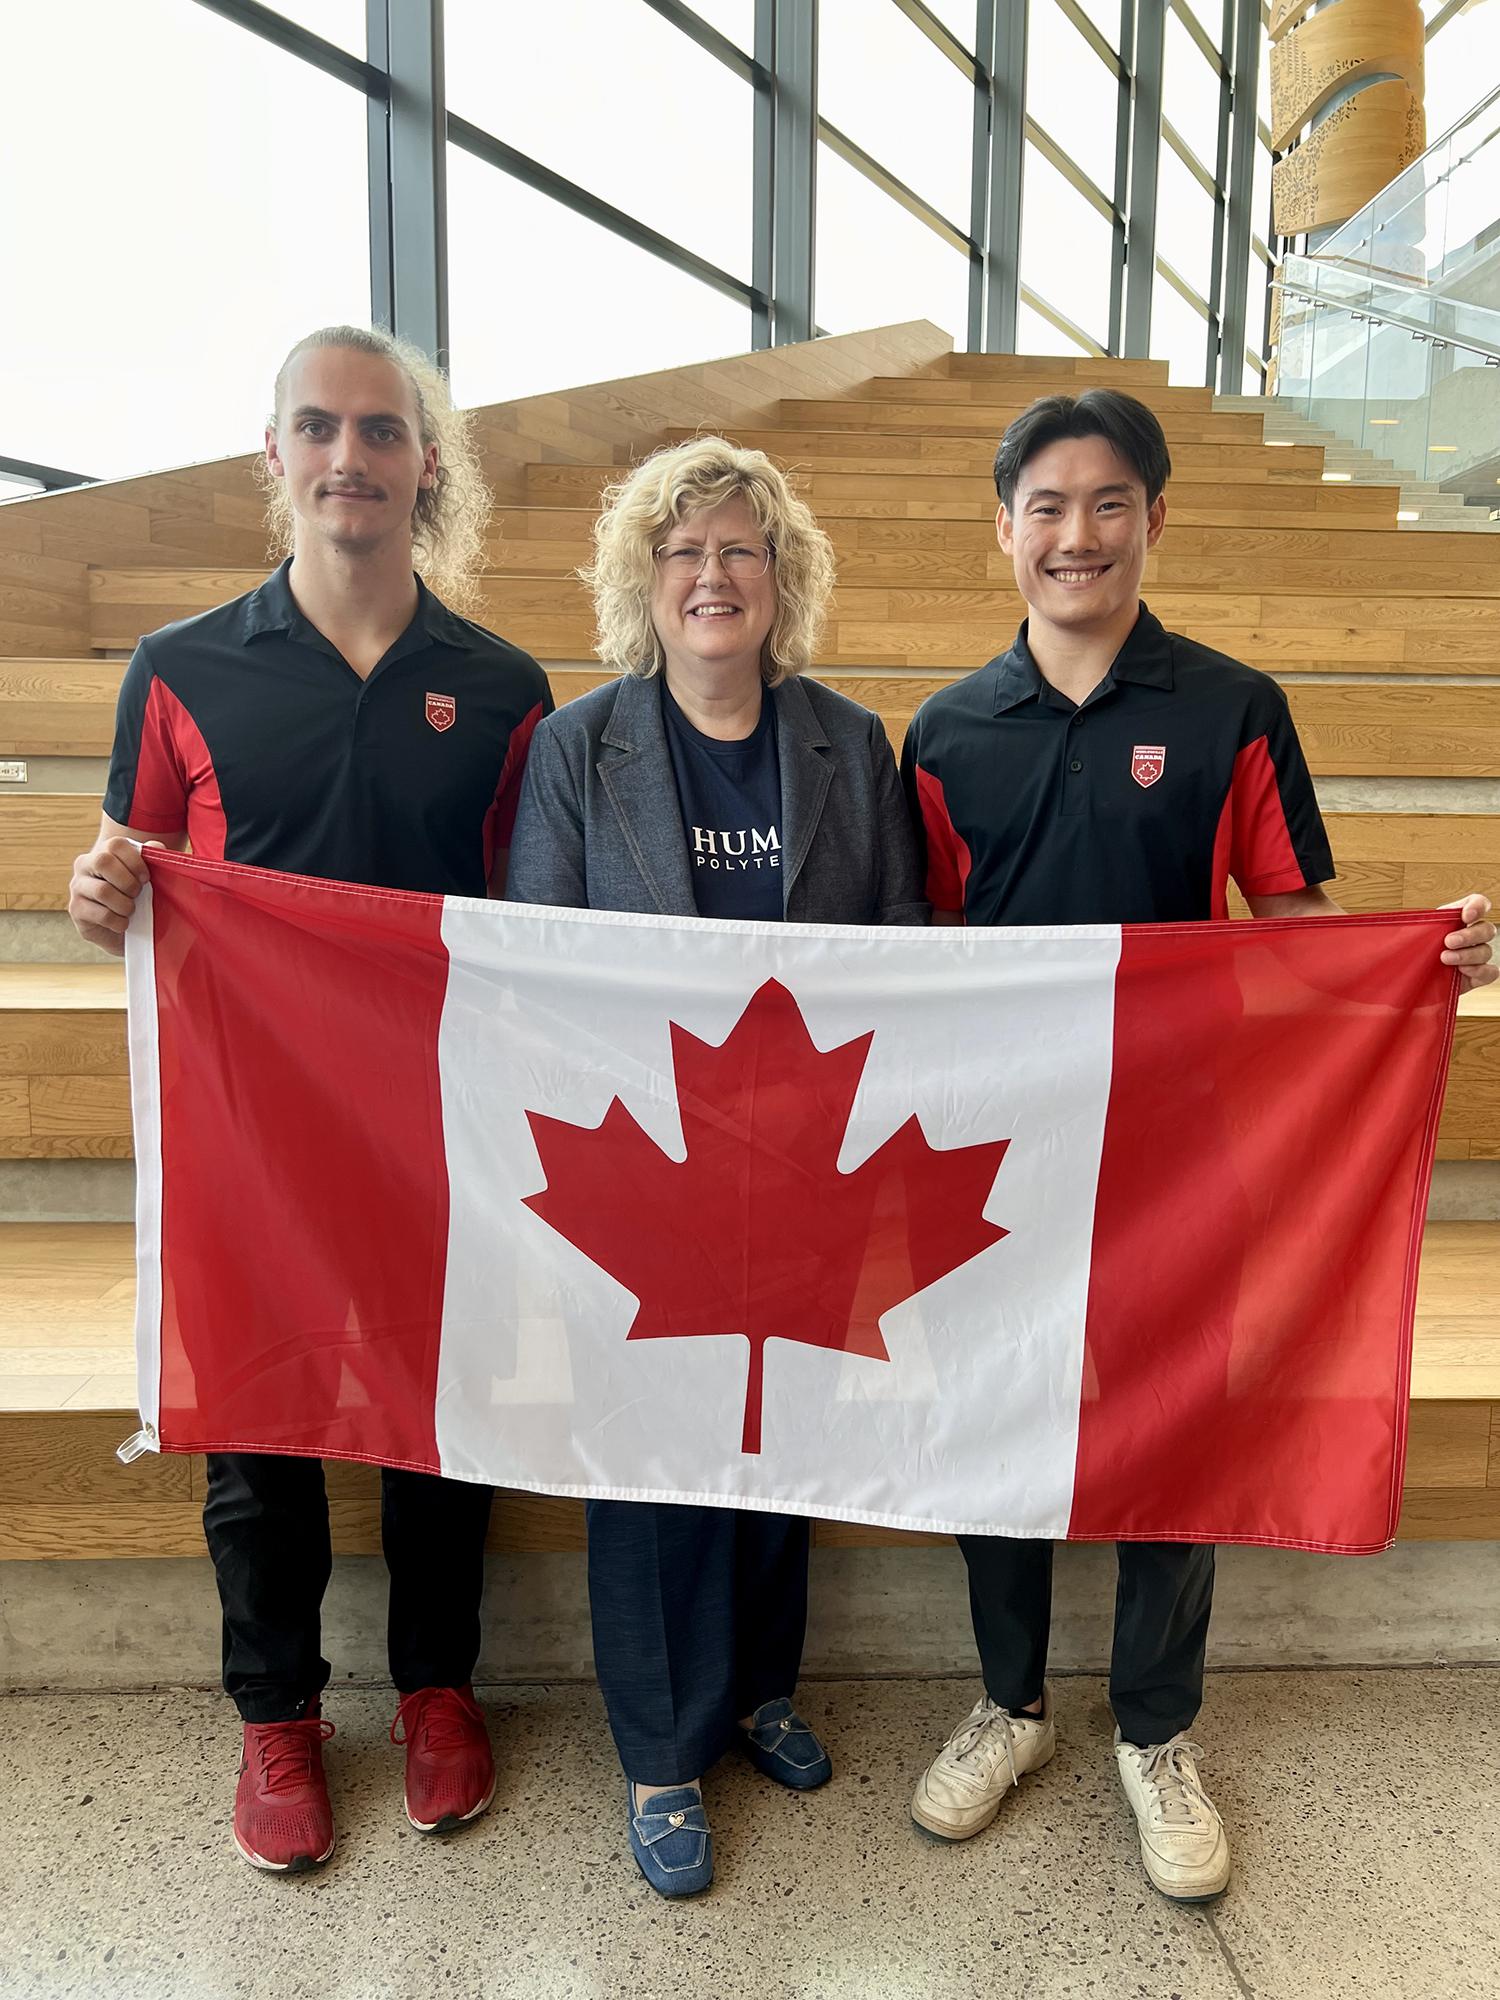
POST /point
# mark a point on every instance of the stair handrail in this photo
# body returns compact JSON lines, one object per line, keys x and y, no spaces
{"x":1489,"y":354}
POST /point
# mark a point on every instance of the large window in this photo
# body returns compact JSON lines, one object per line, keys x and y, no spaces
{"x":1179,"y":331}
{"x":630,"y":185}
{"x":885,"y":85}
{"x":619,"y":101}
{"x":1066,"y":247}
{"x":1071,"y":93}
{"x":606,"y":308}
{"x":1187,"y":288}
{"x":878,"y":264}
{"x":1190,"y":89}
{"x":157,"y":275}
{"x":339,"y":21}
{"x":734,"y":19}
{"x":1463,"y":61}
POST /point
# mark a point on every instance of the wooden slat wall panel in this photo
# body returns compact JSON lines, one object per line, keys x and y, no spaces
{"x":43,"y":598}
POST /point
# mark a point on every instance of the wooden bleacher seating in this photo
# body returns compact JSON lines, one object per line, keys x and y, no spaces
{"x":891,"y":440}
{"x":1360,"y":729}
{"x":63,"y":1068}
{"x":66,"y":1401}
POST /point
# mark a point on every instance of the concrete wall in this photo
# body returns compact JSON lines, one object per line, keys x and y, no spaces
{"x":122,"y":1625}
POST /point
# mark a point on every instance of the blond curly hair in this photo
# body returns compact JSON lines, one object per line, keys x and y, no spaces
{"x":660,"y":493}
{"x":449,"y":520}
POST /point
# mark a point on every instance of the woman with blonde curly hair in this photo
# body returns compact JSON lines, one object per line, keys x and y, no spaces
{"x":710,"y":780}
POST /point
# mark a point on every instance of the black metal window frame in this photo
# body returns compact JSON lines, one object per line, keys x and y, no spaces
{"x":410,"y":128}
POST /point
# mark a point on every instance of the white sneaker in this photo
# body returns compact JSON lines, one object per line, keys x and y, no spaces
{"x":986,"y":1756}
{"x":1183,"y":1842}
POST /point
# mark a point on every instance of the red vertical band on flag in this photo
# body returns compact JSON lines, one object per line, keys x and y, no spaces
{"x":304,"y":1193}
{"x":1253,"y":1275}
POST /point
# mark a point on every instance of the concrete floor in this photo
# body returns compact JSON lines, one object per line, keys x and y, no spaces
{"x":1365,"y":1810}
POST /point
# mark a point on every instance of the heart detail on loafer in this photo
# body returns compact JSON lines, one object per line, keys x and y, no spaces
{"x":670,"y":1840}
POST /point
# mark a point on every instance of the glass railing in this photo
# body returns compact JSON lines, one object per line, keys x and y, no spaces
{"x":1390,"y":332}
{"x":1437,"y":225}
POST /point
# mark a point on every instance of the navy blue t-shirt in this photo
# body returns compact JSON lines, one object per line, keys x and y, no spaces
{"x":730,"y":795}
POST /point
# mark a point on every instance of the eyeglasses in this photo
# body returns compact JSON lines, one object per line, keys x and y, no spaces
{"x":687,"y":559}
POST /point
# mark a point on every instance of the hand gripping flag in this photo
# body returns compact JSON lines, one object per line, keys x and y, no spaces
{"x":1096,"y":1232}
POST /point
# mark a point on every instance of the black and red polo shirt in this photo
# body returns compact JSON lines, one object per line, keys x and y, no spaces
{"x":1181,"y":769}
{"x":249,"y":731}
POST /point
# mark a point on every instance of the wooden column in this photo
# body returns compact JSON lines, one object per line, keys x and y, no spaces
{"x":1352,"y":72}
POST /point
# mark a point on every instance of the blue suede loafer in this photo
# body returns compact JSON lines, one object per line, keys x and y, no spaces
{"x":780,"y":1744}
{"x":670,"y":1840}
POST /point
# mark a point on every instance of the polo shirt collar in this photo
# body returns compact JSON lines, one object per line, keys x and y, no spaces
{"x":1145,"y":659}
{"x":272,"y":608}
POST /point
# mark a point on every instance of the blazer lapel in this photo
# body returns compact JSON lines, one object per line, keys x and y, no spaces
{"x":635,"y":768}
{"x":806,"y":774}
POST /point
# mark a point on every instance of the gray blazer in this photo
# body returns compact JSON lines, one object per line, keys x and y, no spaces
{"x":599,"y":825}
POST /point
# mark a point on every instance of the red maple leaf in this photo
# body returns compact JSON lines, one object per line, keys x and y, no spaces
{"x":757,"y":1232}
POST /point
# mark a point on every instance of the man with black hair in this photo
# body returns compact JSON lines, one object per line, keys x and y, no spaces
{"x":1104,"y":770}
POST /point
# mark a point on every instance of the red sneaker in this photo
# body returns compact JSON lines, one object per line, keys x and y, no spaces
{"x":450,"y":1771}
{"x":282,"y":1819}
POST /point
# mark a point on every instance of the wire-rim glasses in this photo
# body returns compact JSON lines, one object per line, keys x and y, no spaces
{"x":744,"y":561}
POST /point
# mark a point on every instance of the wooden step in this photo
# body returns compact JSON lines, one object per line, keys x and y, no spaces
{"x":928,"y":626}
{"x":1348,"y":729}
{"x":40,"y":834}
{"x":992,"y":418}
{"x":972,"y":455}
{"x":1162,"y":399}
{"x":569,"y":531}
{"x":64,"y":1080}
{"x":1244,"y":498}
{"x":58,"y":708}
{"x":1080,"y":371}
{"x":67,"y":1399}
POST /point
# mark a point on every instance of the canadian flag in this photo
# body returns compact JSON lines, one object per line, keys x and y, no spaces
{"x":1096,"y":1232}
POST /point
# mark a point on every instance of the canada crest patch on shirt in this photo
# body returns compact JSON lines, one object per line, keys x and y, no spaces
{"x":442,"y":712}
{"x":1147,"y":762}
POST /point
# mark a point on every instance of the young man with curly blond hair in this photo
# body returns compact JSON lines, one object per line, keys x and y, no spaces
{"x":338,"y":721}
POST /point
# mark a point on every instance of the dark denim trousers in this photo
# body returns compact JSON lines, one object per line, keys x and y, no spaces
{"x":699,"y":1616}
{"x":266,"y":1521}
{"x":1163,"y":1601}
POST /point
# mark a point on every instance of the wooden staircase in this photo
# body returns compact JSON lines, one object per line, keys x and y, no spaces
{"x":1388,"y":646}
